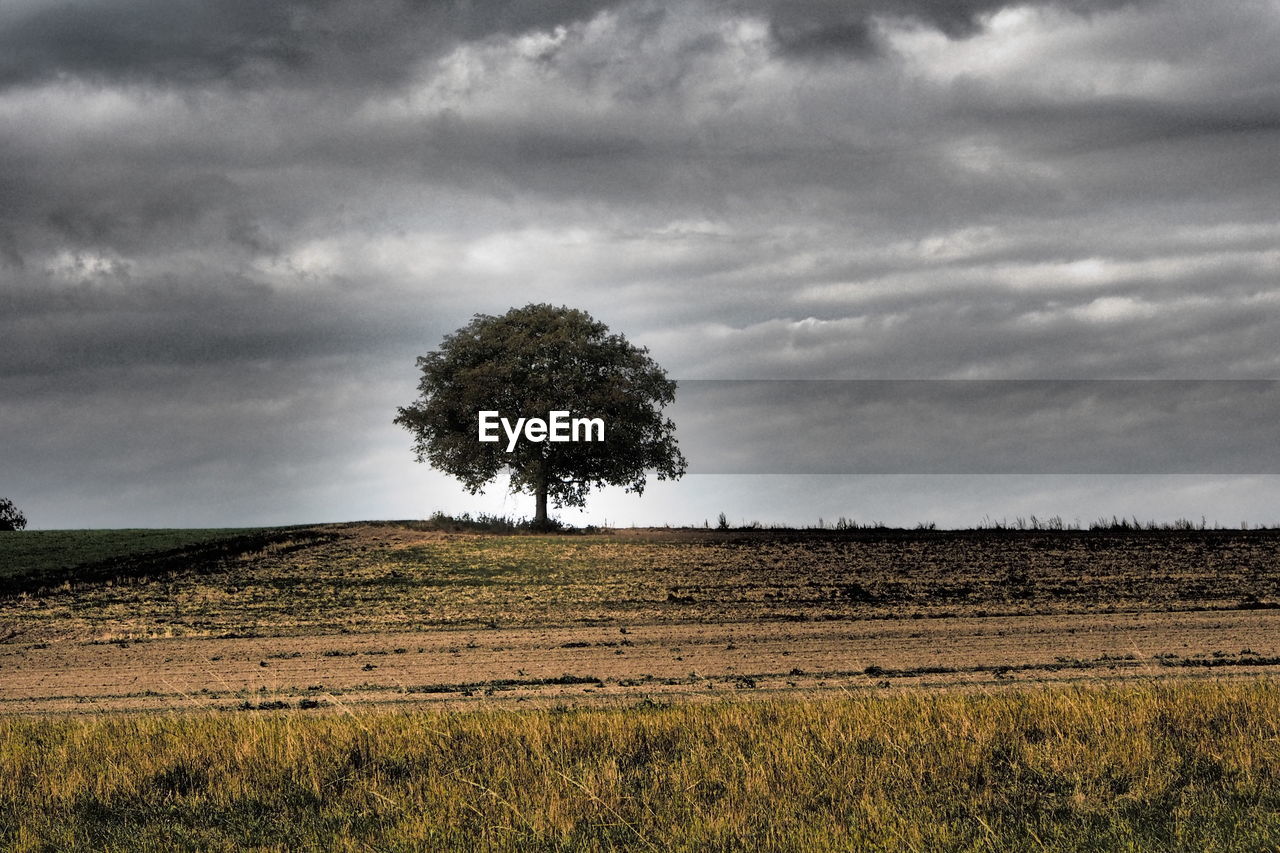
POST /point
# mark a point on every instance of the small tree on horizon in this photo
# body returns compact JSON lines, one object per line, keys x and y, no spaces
{"x":11,"y":518}
{"x":525,"y":364}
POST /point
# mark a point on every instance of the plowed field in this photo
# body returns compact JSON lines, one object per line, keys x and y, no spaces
{"x":374,"y":613}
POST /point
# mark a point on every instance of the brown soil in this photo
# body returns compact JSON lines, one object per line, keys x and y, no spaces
{"x":387,"y":614}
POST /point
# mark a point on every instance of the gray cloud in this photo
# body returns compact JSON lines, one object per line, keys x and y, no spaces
{"x":830,"y":28}
{"x":303,"y":43}
{"x":945,"y":427}
{"x":246,"y":43}
{"x":256,"y":198}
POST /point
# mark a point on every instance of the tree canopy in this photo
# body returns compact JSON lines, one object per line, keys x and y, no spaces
{"x":11,"y":518}
{"x":525,"y":364}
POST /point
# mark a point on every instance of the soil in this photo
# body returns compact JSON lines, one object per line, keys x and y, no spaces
{"x":377,"y":614}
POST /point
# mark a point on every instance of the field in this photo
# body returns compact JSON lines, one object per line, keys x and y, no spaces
{"x":1144,"y":767}
{"x":401,"y":613}
{"x":399,"y":686}
{"x":42,"y":552}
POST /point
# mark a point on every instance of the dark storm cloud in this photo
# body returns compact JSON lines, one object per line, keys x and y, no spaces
{"x":188,"y":42}
{"x":178,"y":42}
{"x":246,"y":42}
{"x":830,"y":28}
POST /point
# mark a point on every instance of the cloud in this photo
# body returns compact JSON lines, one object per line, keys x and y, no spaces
{"x":948,"y":427}
{"x":246,"y":44}
{"x":236,"y":193}
{"x":829,"y":28}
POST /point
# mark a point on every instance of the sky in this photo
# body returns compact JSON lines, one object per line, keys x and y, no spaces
{"x":227,"y":229}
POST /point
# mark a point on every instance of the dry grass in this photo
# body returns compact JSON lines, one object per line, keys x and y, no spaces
{"x":1145,"y":766}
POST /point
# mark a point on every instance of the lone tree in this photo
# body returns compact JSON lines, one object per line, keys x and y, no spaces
{"x":11,"y":518}
{"x":528,"y":363}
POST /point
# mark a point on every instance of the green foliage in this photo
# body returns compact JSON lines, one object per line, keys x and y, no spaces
{"x":481,"y":523}
{"x":1145,"y":767}
{"x":11,"y":518}
{"x":526,"y":363}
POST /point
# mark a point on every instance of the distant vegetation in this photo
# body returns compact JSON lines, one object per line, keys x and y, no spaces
{"x":1056,"y":522}
{"x":482,"y":523}
{"x":1020,"y":522}
{"x":11,"y":518}
{"x":1147,"y":767}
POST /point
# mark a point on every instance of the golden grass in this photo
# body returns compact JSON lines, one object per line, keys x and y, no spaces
{"x":1148,"y":766}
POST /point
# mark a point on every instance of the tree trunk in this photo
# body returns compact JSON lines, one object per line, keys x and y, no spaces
{"x":540,"y":514}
